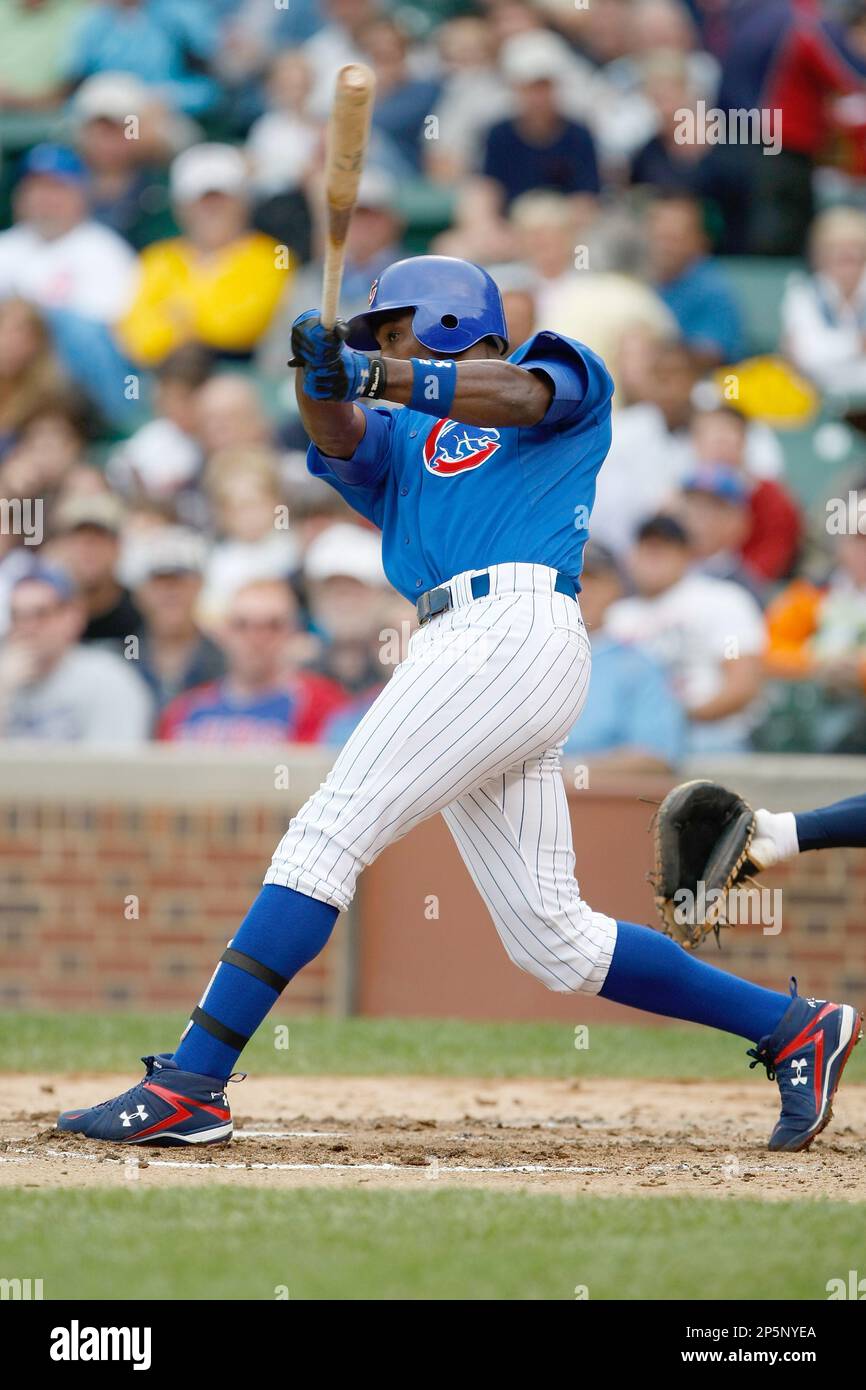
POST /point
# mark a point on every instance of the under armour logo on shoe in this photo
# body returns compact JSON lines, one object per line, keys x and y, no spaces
{"x":218,"y":1095}
{"x":799,"y":1063}
{"x":140,"y":1114}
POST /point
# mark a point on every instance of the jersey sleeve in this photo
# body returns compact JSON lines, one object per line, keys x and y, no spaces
{"x":360,"y":479}
{"x":582,"y":385}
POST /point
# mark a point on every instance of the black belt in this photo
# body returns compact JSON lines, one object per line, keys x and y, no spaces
{"x":440,"y":600}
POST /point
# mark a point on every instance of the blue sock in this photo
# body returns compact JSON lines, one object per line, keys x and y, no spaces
{"x":843,"y":823}
{"x":650,"y":971}
{"x":280,"y":934}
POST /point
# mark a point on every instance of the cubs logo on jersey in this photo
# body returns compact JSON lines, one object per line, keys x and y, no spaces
{"x":452,"y":447}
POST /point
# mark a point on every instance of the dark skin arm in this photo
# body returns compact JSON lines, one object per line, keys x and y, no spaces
{"x":489,"y":391}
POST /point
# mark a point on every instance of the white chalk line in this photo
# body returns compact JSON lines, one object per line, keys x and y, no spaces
{"x":291,"y":1133}
{"x":431,"y":1165}
{"x":132,"y":1161}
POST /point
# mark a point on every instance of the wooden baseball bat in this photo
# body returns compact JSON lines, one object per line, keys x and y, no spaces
{"x":348,"y":134}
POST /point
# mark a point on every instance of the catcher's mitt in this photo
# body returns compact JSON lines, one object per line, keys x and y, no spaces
{"x":702,"y":837}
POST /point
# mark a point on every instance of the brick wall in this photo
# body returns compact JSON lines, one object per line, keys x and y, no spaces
{"x":121,"y":880}
{"x":105,"y":903}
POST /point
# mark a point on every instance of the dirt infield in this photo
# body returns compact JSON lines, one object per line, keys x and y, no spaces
{"x":605,"y":1137}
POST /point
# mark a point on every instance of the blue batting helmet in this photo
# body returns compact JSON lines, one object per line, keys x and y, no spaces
{"x":456,"y":304}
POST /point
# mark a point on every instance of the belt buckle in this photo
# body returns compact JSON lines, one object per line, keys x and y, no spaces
{"x":433,"y":602}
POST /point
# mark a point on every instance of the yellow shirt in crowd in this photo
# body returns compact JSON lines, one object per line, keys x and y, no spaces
{"x":225,"y":300}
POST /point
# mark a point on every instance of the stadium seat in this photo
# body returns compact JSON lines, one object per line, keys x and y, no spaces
{"x":428,"y":209}
{"x":759,"y":284}
{"x":827,"y":453}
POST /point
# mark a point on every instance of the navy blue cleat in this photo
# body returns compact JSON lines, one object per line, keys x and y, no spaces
{"x":806,"y":1056}
{"x":168,"y":1107}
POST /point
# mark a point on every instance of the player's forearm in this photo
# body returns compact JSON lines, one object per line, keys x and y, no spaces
{"x":488,"y":392}
{"x":335,"y":427}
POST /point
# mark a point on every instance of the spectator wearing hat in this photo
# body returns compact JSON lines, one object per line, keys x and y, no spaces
{"x":166,"y":45}
{"x":79,"y":274}
{"x":632,"y":721}
{"x":164,"y":571}
{"x":770,"y":548}
{"x":56,"y":256}
{"x":51,"y":687}
{"x":707,"y":634}
{"x":538,"y":147}
{"x":126,"y":139}
{"x":87,"y":544}
{"x":263,"y":697}
{"x":716,"y":514}
{"x":219,"y":282}
{"x":346,"y":588}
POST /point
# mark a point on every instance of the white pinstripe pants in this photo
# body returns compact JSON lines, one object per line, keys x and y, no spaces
{"x":472,"y":724}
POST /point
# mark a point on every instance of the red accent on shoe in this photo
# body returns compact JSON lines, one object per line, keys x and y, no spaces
{"x":178,"y":1104}
{"x":803,"y":1039}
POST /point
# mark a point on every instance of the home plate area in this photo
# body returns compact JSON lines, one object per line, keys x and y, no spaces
{"x":608,"y":1137}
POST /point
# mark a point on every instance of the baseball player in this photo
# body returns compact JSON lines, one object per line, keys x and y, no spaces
{"x":482,"y":485}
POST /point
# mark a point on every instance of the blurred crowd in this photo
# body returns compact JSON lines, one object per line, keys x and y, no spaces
{"x":169,"y":569}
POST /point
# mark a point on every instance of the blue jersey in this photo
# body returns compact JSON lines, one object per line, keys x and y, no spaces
{"x":450,"y":497}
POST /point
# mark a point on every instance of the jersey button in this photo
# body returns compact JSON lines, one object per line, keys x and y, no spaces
{"x":404,"y":492}
{"x":418,"y":583}
{"x":412,"y":434}
{"x":407,"y":540}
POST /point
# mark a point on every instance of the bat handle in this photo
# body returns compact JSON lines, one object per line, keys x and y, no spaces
{"x":332,"y":274}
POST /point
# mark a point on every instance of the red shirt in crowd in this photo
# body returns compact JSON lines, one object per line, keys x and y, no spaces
{"x":293,"y":712}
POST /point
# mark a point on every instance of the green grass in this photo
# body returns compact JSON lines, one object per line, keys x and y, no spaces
{"x":381,"y":1047}
{"x":223,"y":1244}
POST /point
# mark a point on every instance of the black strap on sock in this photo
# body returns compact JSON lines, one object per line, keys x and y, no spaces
{"x":254,"y":967}
{"x":259,"y":972}
{"x":218,"y":1030}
